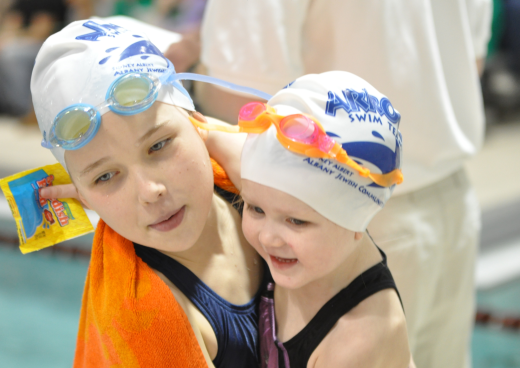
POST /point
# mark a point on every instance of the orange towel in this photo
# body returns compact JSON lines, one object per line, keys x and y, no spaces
{"x":129,"y":317}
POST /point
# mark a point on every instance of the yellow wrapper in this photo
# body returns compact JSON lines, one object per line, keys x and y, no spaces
{"x":41,"y":222}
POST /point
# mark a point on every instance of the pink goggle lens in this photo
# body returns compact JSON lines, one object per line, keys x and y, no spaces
{"x":299,"y":128}
{"x":325,"y":143}
{"x":250,"y":111}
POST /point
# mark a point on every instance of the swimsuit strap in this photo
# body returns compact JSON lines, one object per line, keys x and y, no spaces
{"x":373,"y":280}
{"x":235,"y":326}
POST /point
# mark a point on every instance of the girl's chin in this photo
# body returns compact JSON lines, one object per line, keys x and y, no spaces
{"x":287,"y":282}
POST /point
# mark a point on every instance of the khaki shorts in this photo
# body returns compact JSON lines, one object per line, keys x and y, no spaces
{"x":431,"y":237}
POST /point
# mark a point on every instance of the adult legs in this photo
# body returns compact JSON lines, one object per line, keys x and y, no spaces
{"x":431,"y":237}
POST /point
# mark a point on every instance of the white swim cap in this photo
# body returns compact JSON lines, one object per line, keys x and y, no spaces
{"x":354,"y":114}
{"x":79,"y":63}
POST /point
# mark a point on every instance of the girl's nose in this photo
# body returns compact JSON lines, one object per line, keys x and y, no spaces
{"x":149,"y":190}
{"x":269,"y":237}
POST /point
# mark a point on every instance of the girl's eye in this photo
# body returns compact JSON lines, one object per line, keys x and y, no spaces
{"x":159,"y":145}
{"x":255,"y":209}
{"x":104,"y":178}
{"x":296,"y":221}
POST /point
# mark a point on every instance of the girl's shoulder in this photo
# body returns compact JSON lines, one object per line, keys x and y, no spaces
{"x":373,"y":334}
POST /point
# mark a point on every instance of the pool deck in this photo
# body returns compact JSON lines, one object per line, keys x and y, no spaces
{"x":494,"y":172}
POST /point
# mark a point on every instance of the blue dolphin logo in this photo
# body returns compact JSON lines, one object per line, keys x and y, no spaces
{"x":100,"y":30}
{"x":377,"y":154}
{"x":140,"y":48}
{"x":145,"y":48}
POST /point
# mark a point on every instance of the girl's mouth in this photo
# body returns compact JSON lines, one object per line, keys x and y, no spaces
{"x":170,"y":222}
{"x":283,"y":263}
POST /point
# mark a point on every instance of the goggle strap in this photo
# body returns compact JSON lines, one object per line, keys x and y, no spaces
{"x":342,"y":157}
{"x":217,"y":127}
{"x":103,"y":107}
{"x":46,"y":144}
{"x":388,"y":179}
{"x":218,"y":82}
{"x":254,"y":126}
{"x":167,"y":74}
{"x":181,"y":88}
{"x":383,"y":180}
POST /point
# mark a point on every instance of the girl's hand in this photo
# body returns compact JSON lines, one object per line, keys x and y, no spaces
{"x":61,"y":191}
{"x":225,"y":148}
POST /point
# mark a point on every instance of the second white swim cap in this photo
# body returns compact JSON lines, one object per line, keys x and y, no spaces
{"x":355,"y":115}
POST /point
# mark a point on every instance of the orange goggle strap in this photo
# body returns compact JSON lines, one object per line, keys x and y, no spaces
{"x":337,"y":152}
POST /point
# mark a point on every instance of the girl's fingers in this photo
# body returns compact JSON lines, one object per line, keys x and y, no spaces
{"x":60,"y":191}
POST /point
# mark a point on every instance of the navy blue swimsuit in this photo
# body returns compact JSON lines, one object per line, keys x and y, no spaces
{"x":235,"y":326}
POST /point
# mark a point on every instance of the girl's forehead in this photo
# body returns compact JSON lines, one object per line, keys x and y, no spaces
{"x":120,"y":134}
{"x":277,"y":200}
{"x":159,"y":115}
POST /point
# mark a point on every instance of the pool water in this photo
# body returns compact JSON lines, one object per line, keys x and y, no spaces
{"x":493,"y":346}
{"x":40,"y":300}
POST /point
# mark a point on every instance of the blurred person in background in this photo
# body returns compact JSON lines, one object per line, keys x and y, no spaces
{"x":24,"y":25}
{"x":424,"y":55}
{"x":511,"y":37}
{"x":501,"y":80}
{"x":181,"y":16}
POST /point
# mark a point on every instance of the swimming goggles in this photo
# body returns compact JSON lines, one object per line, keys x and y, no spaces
{"x":130,"y":94}
{"x":299,"y":133}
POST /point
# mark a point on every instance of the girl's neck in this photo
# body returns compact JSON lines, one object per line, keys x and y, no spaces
{"x":303,"y":304}
{"x":222,"y":258}
{"x":212,"y":241}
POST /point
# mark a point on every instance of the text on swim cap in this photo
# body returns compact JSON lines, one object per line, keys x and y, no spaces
{"x":354,"y":101}
{"x":339,"y":172}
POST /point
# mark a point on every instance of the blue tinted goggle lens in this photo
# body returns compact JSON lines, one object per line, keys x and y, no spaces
{"x":74,"y":126}
{"x":132,"y":93}
{"x":128,"y":95}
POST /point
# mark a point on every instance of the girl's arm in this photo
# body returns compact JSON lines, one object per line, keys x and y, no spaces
{"x":226,"y":148}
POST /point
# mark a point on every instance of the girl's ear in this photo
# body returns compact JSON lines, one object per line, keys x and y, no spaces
{"x":198,"y":116}
{"x":83,"y":201}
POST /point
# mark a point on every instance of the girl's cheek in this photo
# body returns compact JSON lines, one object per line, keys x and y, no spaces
{"x":248,"y":229}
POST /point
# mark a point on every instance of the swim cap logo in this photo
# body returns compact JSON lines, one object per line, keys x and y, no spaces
{"x":379,"y":155}
{"x":354,"y":101}
{"x":290,"y":84}
{"x":100,"y":30}
{"x":141,"y":48}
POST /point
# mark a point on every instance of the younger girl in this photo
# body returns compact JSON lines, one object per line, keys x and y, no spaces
{"x":308,"y":201}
